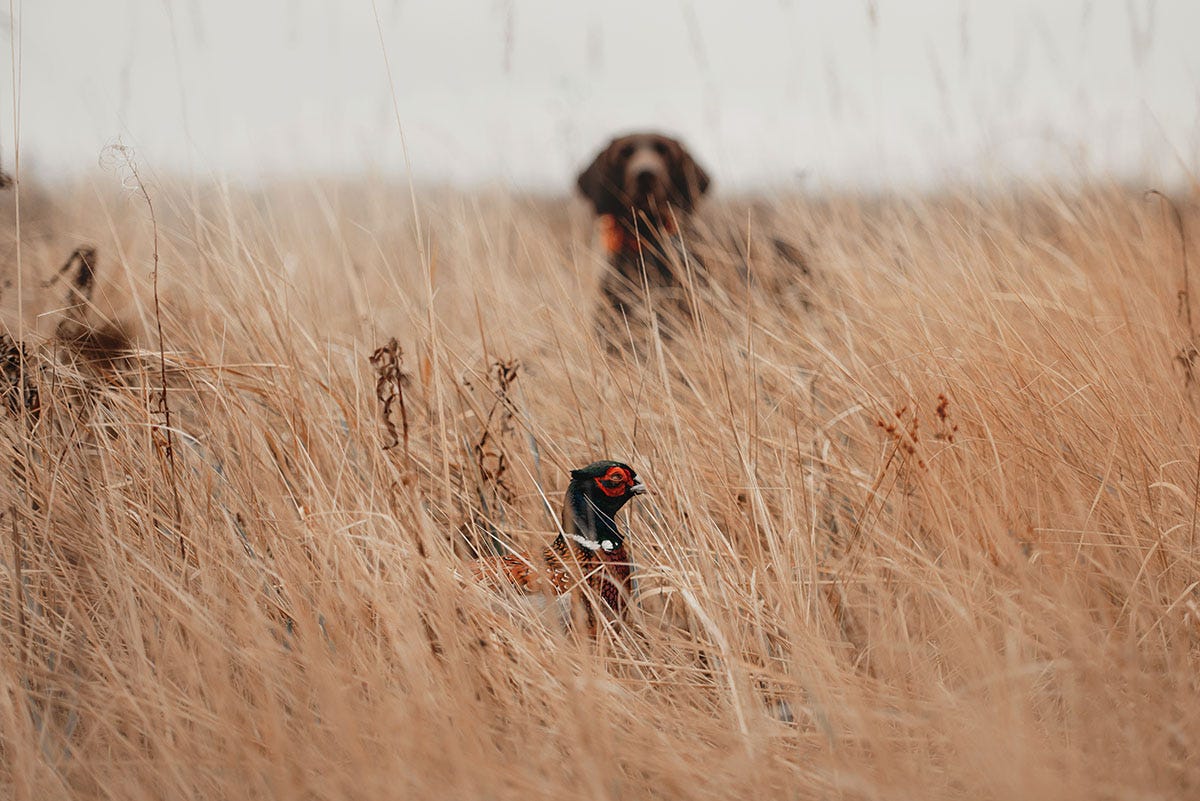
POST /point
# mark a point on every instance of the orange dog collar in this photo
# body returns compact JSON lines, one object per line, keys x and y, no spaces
{"x":618,"y":238}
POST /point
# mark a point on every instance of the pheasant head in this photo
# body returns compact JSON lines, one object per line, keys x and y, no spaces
{"x":594,"y":496}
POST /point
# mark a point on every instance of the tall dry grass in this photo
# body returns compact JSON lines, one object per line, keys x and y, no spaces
{"x":923,"y":526}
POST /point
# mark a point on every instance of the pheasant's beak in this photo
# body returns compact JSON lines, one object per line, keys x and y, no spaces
{"x":638,"y":489}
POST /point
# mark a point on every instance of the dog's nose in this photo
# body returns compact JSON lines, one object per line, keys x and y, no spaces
{"x":645,"y":180}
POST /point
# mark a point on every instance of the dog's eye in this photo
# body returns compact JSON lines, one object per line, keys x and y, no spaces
{"x":625,"y":152}
{"x":660,"y":148}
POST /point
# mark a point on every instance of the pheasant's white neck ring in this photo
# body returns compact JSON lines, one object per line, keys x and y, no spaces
{"x":593,"y":545}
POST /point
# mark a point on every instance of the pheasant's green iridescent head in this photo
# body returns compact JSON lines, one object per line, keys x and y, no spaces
{"x":596,"y":493}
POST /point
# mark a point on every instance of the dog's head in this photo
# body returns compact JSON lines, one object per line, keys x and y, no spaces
{"x":643,"y":172}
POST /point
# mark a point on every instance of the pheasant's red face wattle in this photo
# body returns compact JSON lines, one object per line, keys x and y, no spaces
{"x":615,"y":482}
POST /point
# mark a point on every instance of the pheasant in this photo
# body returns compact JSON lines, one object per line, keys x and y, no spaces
{"x":587,"y":559}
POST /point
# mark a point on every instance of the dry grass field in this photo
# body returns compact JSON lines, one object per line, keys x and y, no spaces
{"x":923,"y":525}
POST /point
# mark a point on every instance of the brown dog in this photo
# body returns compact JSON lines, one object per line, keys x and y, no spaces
{"x":643,"y":188}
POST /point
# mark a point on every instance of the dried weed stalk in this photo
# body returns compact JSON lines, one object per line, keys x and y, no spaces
{"x":390,"y":381}
{"x":491,"y":456}
{"x":121,"y":157}
{"x":906,"y":436}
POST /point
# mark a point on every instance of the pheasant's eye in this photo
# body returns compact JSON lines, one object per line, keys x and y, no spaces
{"x":616,"y":475}
{"x":615,"y":482}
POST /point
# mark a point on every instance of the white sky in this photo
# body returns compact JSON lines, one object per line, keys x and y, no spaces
{"x":830,"y":92}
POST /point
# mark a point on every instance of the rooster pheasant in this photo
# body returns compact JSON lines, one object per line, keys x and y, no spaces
{"x":587,"y":560}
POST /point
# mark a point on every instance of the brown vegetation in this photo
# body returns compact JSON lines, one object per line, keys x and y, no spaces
{"x":923,"y":526}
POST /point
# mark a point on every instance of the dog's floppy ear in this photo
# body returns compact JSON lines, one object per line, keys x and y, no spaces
{"x":600,"y":184}
{"x":688,"y":178}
